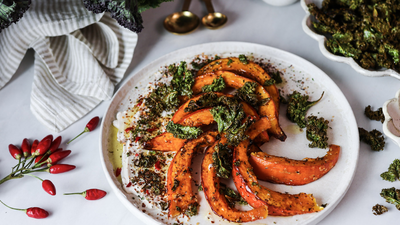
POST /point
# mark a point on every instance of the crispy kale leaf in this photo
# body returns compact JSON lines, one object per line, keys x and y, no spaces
{"x":209,"y":100}
{"x":236,"y":134}
{"x":276,"y":76}
{"x":247,"y":93}
{"x":392,"y":196}
{"x":183,"y":132}
{"x":11,"y":11}
{"x":222,"y":158}
{"x":243,"y":59}
{"x":218,"y":84}
{"x":373,"y":138}
{"x":316,"y":132}
{"x":231,"y":196}
{"x":393,"y":172}
{"x":374,"y":115}
{"x":379,"y":209}
{"x":182,"y":80}
{"x":126,"y":12}
{"x":298,"y":106}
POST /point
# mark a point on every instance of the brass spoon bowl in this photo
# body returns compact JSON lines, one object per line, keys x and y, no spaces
{"x":213,"y":20}
{"x":182,"y":22}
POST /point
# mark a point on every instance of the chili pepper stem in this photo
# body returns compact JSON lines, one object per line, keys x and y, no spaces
{"x":12,"y":207}
{"x":77,"y":193}
{"x":10,"y":177}
{"x":35,"y":176}
{"x":84,"y":131}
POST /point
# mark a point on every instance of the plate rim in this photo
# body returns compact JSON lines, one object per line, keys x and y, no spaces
{"x":150,"y":220}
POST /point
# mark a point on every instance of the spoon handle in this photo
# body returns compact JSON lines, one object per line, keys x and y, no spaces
{"x":186,"y":5}
{"x":209,"y":6}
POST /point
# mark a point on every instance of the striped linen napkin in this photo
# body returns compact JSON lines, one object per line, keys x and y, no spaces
{"x":79,"y":58}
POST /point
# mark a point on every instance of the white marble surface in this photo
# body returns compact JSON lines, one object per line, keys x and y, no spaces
{"x":249,"y":21}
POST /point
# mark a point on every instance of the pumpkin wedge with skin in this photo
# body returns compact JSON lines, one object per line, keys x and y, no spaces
{"x":279,"y":204}
{"x":179,"y":178}
{"x":287,"y":171}
{"x":235,"y":81}
{"x":250,"y":70}
{"x":217,"y":201}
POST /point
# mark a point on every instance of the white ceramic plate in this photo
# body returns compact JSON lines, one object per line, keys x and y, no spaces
{"x":300,"y":75}
{"x":308,"y":28}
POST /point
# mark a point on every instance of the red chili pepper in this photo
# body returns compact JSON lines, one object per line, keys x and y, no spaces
{"x":34,"y":146}
{"x":49,"y":187}
{"x":137,"y":139}
{"x":44,"y":145}
{"x":60,"y":168}
{"x":34,"y":212}
{"x":129,"y":184}
{"x":15,"y":152}
{"x":38,"y":159}
{"x":89,"y":127}
{"x":151,"y":129}
{"x":139,"y":103}
{"x":91,"y":194}
{"x":57,"y":156}
{"x":147,"y":192}
{"x":118,"y":172}
{"x":128,"y":129}
{"x":157,"y":165}
{"x":55,"y":144}
{"x":26,"y":147}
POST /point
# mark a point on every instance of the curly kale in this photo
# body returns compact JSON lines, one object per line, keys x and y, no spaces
{"x":231,"y":196}
{"x":237,"y":134}
{"x":379,"y":209}
{"x":373,"y":138}
{"x":182,"y":80}
{"x":183,"y":132}
{"x":218,"y":84}
{"x":247,"y":93}
{"x":222,"y":160}
{"x":298,"y":106}
{"x":393,"y":172}
{"x":392,"y":196}
{"x":126,"y":12}
{"x":316,"y":132}
{"x":209,"y":99}
{"x":276,"y":77}
{"x":11,"y":11}
{"x":243,"y":59}
{"x":374,"y":115}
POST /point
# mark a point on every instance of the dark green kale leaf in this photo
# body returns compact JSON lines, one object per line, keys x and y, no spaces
{"x":276,"y":76}
{"x":11,"y":11}
{"x":237,"y":134}
{"x":392,"y":196}
{"x":374,"y":115}
{"x":298,"y":106}
{"x":316,"y":131}
{"x":222,"y":160}
{"x":373,"y":138}
{"x":231,"y":196}
{"x":247,"y":93}
{"x":393,"y":172}
{"x":183,"y":132}
{"x":379,"y":209}
{"x":226,"y":117}
{"x":243,"y":59}
{"x":218,"y":84}
{"x":182,"y":80}
{"x":344,"y":49}
{"x":209,"y":99}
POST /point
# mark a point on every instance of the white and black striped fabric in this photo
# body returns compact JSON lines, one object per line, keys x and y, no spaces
{"x":79,"y":58}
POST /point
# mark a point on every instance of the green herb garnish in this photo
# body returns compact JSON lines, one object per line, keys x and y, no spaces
{"x":298,"y":106}
{"x":316,"y":131}
{"x":222,"y":160}
{"x":218,"y":84}
{"x":183,"y":132}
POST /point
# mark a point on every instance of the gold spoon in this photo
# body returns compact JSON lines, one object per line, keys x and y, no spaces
{"x":182,"y":22}
{"x":213,"y":20}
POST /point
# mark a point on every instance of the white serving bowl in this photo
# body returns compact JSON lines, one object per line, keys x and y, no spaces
{"x":280,"y":2}
{"x":308,"y":28}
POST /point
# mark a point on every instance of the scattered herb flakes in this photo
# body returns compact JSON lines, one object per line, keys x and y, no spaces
{"x":393,"y":172}
{"x":373,"y":138}
{"x":379,"y":209}
{"x":243,"y":59}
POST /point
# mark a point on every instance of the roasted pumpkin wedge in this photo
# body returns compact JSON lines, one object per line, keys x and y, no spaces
{"x":198,"y":118}
{"x":217,"y":201}
{"x":250,"y":70}
{"x":283,"y":170}
{"x":164,"y":142}
{"x":235,"y":81}
{"x":279,"y":204}
{"x":179,"y":179}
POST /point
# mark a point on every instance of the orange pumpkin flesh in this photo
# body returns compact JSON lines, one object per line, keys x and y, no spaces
{"x":236,"y":81}
{"x":217,"y":201}
{"x":257,"y":195}
{"x":179,"y":178}
{"x":282,"y":170}
{"x":250,"y":70}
